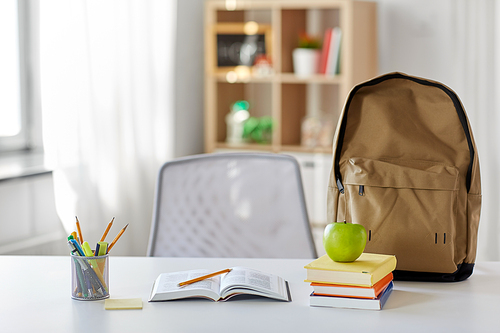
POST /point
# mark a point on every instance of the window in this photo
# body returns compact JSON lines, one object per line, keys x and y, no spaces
{"x":16,"y":88}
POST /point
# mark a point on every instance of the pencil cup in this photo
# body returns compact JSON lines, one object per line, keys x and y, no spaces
{"x":89,"y":278}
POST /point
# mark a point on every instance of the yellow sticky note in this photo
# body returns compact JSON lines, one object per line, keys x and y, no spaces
{"x":123,"y":304}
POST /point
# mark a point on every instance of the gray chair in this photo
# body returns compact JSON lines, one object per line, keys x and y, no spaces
{"x":246,"y":205}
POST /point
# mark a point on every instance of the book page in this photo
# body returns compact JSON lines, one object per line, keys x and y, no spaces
{"x":166,"y":286}
{"x":250,"y":281}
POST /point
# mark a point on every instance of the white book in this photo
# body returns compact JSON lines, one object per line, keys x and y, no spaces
{"x":332,"y":64}
{"x":239,"y":281}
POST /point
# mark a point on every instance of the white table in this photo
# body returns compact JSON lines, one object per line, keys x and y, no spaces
{"x":35,"y":293}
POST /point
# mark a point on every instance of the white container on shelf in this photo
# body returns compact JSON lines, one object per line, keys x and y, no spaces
{"x":305,"y":61}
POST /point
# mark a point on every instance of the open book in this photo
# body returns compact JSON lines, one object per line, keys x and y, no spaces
{"x":239,"y":281}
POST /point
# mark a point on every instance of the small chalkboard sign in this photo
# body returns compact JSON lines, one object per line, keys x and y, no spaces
{"x":235,"y":46}
{"x":239,"y":49}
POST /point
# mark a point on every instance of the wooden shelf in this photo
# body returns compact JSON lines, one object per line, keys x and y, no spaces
{"x":317,"y":78}
{"x":246,"y":146}
{"x":281,"y":94}
{"x":224,"y":77}
{"x":271,"y":148}
{"x":302,"y":149}
{"x":227,"y":76}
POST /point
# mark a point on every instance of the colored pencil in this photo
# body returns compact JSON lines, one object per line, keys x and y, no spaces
{"x":79,"y":230}
{"x":107,"y":230}
{"x":201,"y":278}
{"x":117,"y":237}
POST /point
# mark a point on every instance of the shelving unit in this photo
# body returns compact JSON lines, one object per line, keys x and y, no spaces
{"x":288,"y":99}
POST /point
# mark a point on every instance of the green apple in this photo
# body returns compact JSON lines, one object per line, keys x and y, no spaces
{"x":344,"y":242}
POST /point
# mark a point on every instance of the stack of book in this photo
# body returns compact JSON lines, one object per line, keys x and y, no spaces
{"x":330,"y":53}
{"x":363,"y":284}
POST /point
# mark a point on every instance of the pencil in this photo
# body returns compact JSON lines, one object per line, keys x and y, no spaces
{"x":79,"y":230}
{"x":117,"y":237}
{"x":107,"y":230}
{"x":204,"y":277}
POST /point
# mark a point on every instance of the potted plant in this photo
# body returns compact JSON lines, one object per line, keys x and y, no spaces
{"x":306,"y":56}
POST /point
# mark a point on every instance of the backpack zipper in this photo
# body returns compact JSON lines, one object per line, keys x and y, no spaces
{"x":340,"y":186}
{"x":361,"y":190}
{"x":451,"y":95}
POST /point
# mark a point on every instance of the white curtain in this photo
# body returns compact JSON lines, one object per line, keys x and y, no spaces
{"x":477,"y":70}
{"x":107,"y":103}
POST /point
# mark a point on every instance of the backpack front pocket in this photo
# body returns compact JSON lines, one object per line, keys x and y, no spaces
{"x":408,"y":209}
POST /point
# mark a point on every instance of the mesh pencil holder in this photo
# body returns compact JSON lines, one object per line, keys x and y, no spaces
{"x":89,"y":277}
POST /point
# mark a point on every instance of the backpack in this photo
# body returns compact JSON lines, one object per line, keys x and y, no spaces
{"x":405,"y":166}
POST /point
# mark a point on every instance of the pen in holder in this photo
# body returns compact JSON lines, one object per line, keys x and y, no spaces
{"x":89,"y":277}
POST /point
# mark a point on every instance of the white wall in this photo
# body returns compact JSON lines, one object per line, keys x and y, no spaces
{"x":416,"y":37}
{"x":189,"y":78}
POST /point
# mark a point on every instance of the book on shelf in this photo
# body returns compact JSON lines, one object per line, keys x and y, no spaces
{"x":352,"y":303}
{"x":366,"y":271}
{"x":352,"y":291}
{"x":239,"y":281}
{"x":332,"y":64}
{"x":325,"y":50}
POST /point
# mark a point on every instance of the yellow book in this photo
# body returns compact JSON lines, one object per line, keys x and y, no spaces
{"x":367,"y":270}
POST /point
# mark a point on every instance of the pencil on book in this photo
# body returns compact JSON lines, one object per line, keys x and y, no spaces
{"x":204,"y":277}
{"x":116,"y":238}
{"x":107,"y":230}
{"x":79,"y":230}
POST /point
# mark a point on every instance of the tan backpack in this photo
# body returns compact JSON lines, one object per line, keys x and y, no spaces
{"x":405,"y":166}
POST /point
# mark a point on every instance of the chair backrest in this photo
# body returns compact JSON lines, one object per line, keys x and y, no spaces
{"x":231,"y":205}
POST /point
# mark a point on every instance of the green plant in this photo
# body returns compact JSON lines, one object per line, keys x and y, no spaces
{"x":307,"y":41}
{"x":259,"y":130}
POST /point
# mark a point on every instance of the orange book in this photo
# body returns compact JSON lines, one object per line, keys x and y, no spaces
{"x":352,"y":302}
{"x":324,"y":289}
